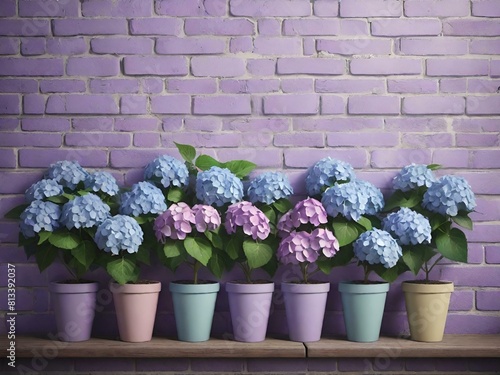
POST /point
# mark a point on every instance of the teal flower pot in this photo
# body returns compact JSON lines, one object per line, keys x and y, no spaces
{"x":194,"y":306}
{"x":363,"y":306}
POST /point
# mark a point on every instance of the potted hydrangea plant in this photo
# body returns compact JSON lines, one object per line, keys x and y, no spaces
{"x":58,"y":223}
{"x":425,"y":224}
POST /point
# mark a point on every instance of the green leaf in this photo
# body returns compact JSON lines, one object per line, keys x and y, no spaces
{"x":45,"y":256}
{"x":241,"y":168}
{"x":345,"y":231}
{"x":43,"y":236}
{"x":78,"y":268}
{"x":205,"y":162}
{"x":85,"y":253}
{"x":16,"y":212}
{"x":68,"y":196}
{"x":388,"y":274}
{"x":415,"y":256}
{"x":175,"y":194}
{"x":325,"y":265}
{"x":434,"y":167}
{"x":142,"y":255}
{"x":173,"y":249}
{"x":65,"y":240}
{"x":58,"y":199}
{"x":174,"y":263}
{"x":463,"y":220}
{"x":187,"y":152}
{"x":283,"y":205}
{"x":257,"y":253}
{"x":269,"y":212}
{"x":123,"y":271}
{"x":436,"y":221}
{"x":199,"y":248}
{"x":452,"y":244}
{"x":216,"y":265}
{"x":271,"y":267}
{"x":366,"y":223}
{"x":343,"y":256}
{"x":215,"y":239}
{"x":403,"y":199}
{"x":234,"y":248}
{"x":141,"y":219}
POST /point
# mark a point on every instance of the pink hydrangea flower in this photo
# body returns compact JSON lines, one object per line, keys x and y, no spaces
{"x":174,"y":223}
{"x":252,"y":220}
{"x":206,"y":217}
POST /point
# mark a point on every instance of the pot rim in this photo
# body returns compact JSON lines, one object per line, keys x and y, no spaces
{"x":235,"y":287}
{"x":213,"y":287}
{"x":61,"y":287}
{"x":415,"y":287}
{"x":305,"y":288}
{"x":356,"y":288}
{"x":151,"y":287}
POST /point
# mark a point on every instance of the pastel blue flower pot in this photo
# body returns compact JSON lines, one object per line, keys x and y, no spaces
{"x":363,"y":306}
{"x":194,"y":306}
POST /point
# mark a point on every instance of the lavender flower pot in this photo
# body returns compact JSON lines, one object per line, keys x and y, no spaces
{"x":74,"y":309}
{"x":249,"y":305}
{"x":305,"y":306}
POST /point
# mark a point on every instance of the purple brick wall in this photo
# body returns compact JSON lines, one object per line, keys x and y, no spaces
{"x":378,"y":83}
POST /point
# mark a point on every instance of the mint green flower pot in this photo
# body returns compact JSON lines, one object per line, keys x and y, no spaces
{"x":194,"y":306}
{"x":363,"y":306}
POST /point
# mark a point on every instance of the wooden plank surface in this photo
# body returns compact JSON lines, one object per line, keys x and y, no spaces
{"x":391,"y":347}
{"x":28,"y":347}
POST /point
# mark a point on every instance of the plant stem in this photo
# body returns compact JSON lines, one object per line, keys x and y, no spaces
{"x":367,"y":272}
{"x":196,"y":267}
{"x":247,"y":271}
{"x":303,"y":267}
{"x":433,"y":265}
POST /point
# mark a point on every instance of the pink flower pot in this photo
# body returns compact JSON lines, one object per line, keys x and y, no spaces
{"x":135,"y":306}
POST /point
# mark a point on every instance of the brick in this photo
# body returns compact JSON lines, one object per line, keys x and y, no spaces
{"x":273,"y":125}
{"x":191,"y":8}
{"x":133,"y":105}
{"x":457,"y":67}
{"x":94,"y":139}
{"x":371,"y":8}
{"x":218,"y":26}
{"x":136,"y":124}
{"x":190,"y":46}
{"x":208,"y":66}
{"x":373,"y":105}
{"x":172,"y":124}
{"x":81,"y":104}
{"x":495,"y":68}
{"x":390,"y":158}
{"x":31,"y":67}
{"x":337,"y":124}
{"x":483,"y":233}
{"x":492,"y":254}
{"x":314,"y":66}
{"x":477,"y":276}
{"x":93,"y":66}
{"x":291,"y":104}
{"x":485,"y":159}
{"x":486,"y":210}
{"x":9,"y":46}
{"x":222,"y":105}
{"x":105,"y":364}
{"x":116,"y":8}
{"x":274,"y":365}
{"x":483,"y":86}
{"x":42,"y":158}
{"x":453,"y":85}
{"x":62,"y":85}
{"x":362,"y":139}
{"x":289,"y":85}
{"x":416,"y":124}
{"x":152,"y":85}
{"x":10,"y":104}
{"x":440,"y":140}
{"x":33,"y":104}
{"x":355,"y":46}
{"x":202,"y":124}
{"x":385,"y":66}
{"x":32,"y":46}
{"x":8,"y":124}
{"x":471,"y":27}
{"x":326,"y":8}
{"x":358,"y":85}
{"x":66,"y":46}
{"x":276,"y":8}
{"x":23,"y":27}
{"x":477,"y":140}
{"x":162,"y":364}
{"x":18,"y":182}
{"x":269,"y":26}
{"x":485,"y":47}
{"x":8,"y":8}
{"x":171,"y":104}
{"x":483,"y":105}
{"x":202,"y":139}
{"x":433,"y":46}
{"x":311,"y":27}
{"x":79,"y":26}
{"x":485,"y":8}
{"x":249,"y":86}
{"x":264,"y":158}
{"x":93,"y":123}
{"x":123,"y":46}
{"x":133,"y":158}
{"x":8,"y":159}
{"x":483,"y":183}
{"x":412,"y":86}
{"x":48,"y":8}
{"x":277,"y":46}
{"x":354,"y":27}
{"x":155,"y":26}
{"x":309,"y":46}
{"x":436,"y":8}
{"x":192,"y":86}
{"x":265,"y":67}
{"x":298,"y":158}
{"x":112,"y":86}
{"x":146,"y":139}
{"x":157,"y":65}
{"x":405,"y":27}
{"x":421,"y":105}
{"x":47,"y":124}
{"x":241,"y":44}
{"x":332,"y":105}
{"x":299,"y":139}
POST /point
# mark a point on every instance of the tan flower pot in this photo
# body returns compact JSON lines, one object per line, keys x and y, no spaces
{"x":427,"y":309}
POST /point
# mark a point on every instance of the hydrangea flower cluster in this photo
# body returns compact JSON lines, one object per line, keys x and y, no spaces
{"x":377,"y":247}
{"x":68,"y":173}
{"x":300,"y":247}
{"x":38,"y":216}
{"x":408,"y":227}
{"x":205,"y":218}
{"x":325,"y":173}
{"x":307,"y":211}
{"x":269,"y":187}
{"x":119,"y":233}
{"x":412,"y":177}
{"x":102,"y":181}
{"x":218,"y":186}
{"x":252,"y":220}
{"x":353,"y":199}
{"x":84,"y":212}
{"x":168,"y":170}
{"x":43,"y":189}
{"x":144,"y":198}
{"x":449,"y":195}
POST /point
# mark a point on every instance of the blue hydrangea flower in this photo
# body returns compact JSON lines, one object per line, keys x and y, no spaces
{"x":449,"y":195}
{"x":38,"y":216}
{"x":43,"y":189}
{"x":325,"y":173}
{"x":377,"y":247}
{"x":144,"y":198}
{"x":412,"y":177}
{"x":218,"y":186}
{"x":353,"y":199}
{"x":119,"y":233}
{"x":408,"y":227}
{"x":67,"y":173}
{"x":102,"y":181}
{"x":167,"y":170}
{"x":269,"y":187}
{"x":84,"y":212}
